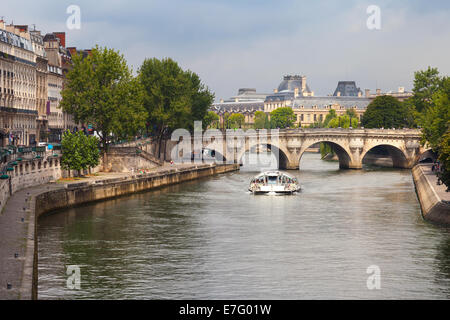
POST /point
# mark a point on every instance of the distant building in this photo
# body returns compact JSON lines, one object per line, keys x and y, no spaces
{"x":32,"y":75}
{"x":17,"y":85}
{"x":401,"y":94}
{"x":309,"y":109}
{"x":294,"y":92}
{"x":347,"y":89}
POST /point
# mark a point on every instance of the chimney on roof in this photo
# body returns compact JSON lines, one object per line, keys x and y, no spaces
{"x":378,"y":92}
{"x":367,"y":94}
{"x":275,"y":90}
{"x":72,"y":50}
{"x":303,"y":83}
{"x":338,"y":93}
{"x":359,"y":94}
{"x":62,"y":38}
{"x":401,"y":90}
{"x":295,"y":92}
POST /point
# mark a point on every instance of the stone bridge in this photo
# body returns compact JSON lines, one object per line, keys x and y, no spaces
{"x":350,"y":145}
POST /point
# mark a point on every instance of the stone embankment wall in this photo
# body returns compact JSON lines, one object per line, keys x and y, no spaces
{"x":78,"y":193}
{"x":434,"y":209}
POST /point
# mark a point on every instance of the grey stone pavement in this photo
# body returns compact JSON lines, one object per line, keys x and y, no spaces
{"x":431,"y":177}
{"x":14,"y":231}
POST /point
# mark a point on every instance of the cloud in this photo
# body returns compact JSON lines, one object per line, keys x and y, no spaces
{"x":251,"y":43}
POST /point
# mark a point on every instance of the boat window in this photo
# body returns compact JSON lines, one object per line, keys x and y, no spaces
{"x":272,"y":180}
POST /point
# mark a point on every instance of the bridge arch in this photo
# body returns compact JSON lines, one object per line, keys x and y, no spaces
{"x":428,"y":155}
{"x":213,"y":154}
{"x":283,"y":161}
{"x":343,"y":154}
{"x":398,"y":156}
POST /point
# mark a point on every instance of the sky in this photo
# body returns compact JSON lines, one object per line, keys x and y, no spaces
{"x":234,"y":44}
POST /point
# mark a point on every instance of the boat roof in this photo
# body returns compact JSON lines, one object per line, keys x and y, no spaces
{"x":273,"y":174}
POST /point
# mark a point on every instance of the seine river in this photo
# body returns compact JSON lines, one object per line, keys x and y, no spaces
{"x":210,"y":239}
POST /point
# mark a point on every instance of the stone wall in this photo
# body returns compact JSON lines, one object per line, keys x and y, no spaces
{"x":126,"y":159}
{"x":433,"y":208}
{"x":29,"y":173}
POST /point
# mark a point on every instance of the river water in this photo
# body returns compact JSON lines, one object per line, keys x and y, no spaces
{"x":210,"y":239}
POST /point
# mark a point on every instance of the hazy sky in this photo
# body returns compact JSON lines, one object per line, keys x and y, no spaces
{"x":250,"y":43}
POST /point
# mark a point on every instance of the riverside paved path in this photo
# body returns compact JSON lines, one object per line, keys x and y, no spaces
{"x":14,"y":233}
{"x":431,"y":177}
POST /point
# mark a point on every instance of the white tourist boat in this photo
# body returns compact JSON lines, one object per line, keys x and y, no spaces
{"x":274,"y":182}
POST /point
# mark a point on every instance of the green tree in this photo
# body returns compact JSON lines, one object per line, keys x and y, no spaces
{"x":282,"y":118}
{"x":71,"y":153}
{"x":343,"y":122}
{"x":432,"y":99}
{"x":386,"y":112}
{"x":444,"y":158}
{"x":426,"y":84}
{"x":173,"y":98}
{"x":351,"y":113}
{"x":92,"y":152}
{"x":226,"y":120}
{"x":331,"y":115}
{"x":79,"y":151}
{"x":260,"y":120}
{"x":100,"y":90}
{"x":211,"y":120}
{"x":236,"y":120}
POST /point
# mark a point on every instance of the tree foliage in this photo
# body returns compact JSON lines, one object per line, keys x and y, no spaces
{"x":101,"y":91}
{"x":331,"y":115}
{"x":386,"y":112}
{"x":282,"y":118}
{"x":79,"y":151}
{"x":435,"y":119}
{"x":261,"y":120}
{"x":432,"y":99}
{"x":343,"y":122}
{"x":426,"y":84}
{"x":211,"y":120}
{"x":173,"y":98}
{"x":236,"y":120}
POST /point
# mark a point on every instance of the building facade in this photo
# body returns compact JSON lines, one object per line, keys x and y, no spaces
{"x":18,"y":85}
{"x":32,"y":75}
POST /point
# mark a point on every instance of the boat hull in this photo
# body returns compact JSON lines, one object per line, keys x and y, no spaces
{"x":274,"y":192}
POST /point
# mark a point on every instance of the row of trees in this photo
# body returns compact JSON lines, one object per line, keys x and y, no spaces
{"x":102,"y":91}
